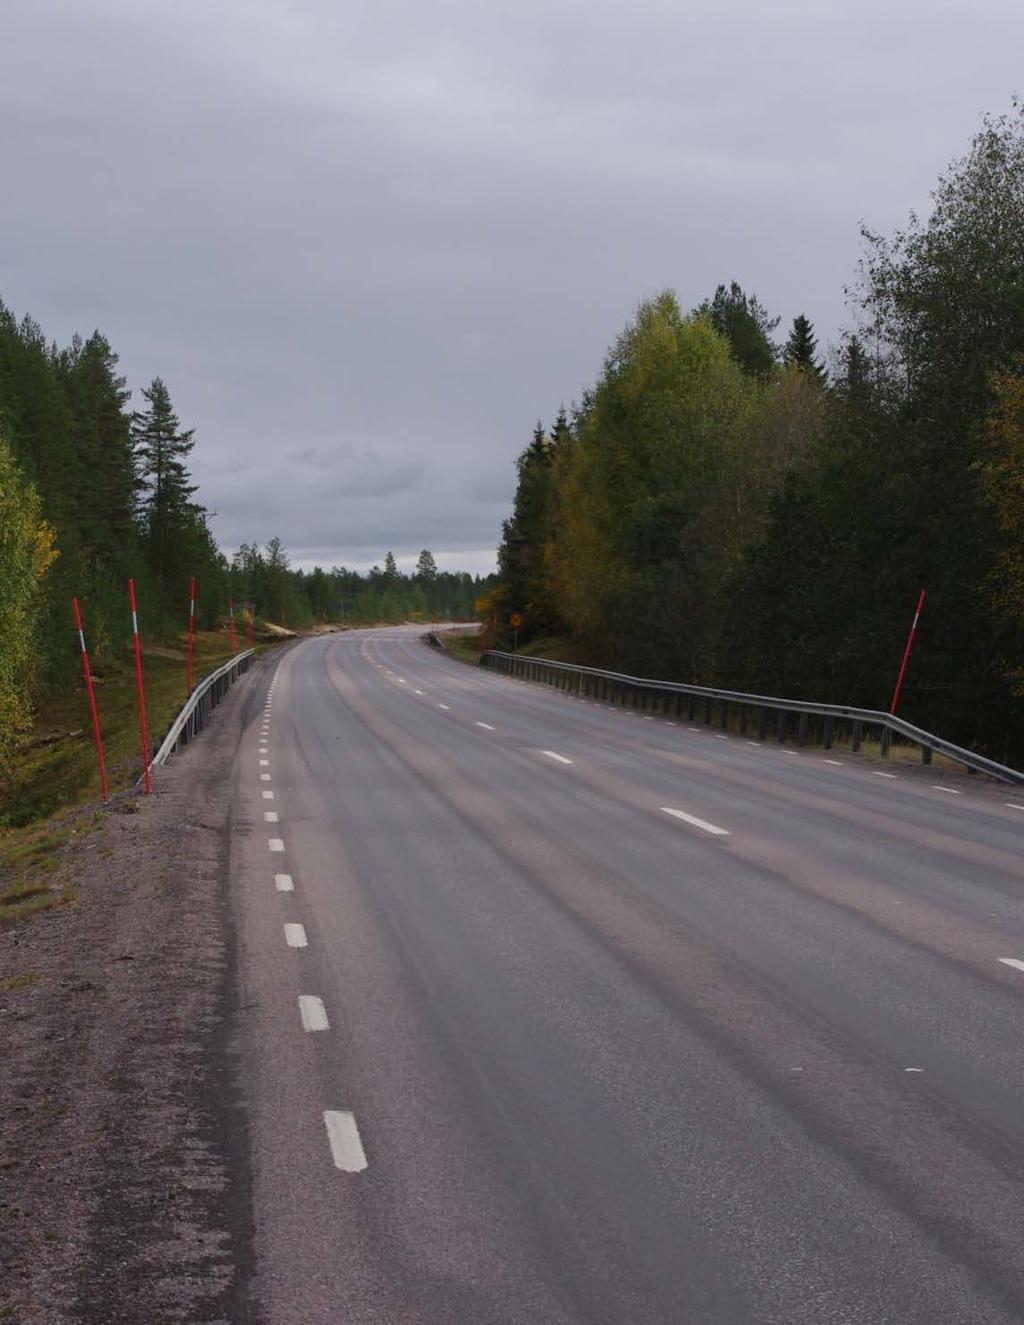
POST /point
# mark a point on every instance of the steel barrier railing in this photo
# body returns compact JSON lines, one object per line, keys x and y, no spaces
{"x":673,"y":696}
{"x":205,"y":697}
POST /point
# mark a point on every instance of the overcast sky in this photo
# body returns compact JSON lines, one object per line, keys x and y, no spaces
{"x":367,"y":243}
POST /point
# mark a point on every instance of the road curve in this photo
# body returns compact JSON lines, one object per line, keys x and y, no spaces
{"x":551,"y":1013}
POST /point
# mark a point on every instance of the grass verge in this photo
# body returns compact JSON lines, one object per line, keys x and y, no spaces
{"x":56,"y":772}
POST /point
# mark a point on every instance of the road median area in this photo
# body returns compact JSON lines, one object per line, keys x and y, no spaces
{"x":123,"y":1178}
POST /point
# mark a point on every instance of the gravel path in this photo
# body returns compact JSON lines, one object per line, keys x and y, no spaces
{"x":124,"y":1184}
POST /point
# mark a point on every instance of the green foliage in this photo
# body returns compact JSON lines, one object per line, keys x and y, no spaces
{"x":717,"y":516}
{"x":523,"y":555}
{"x":262,"y":581}
{"x":656,"y":494}
{"x":1002,"y":492}
{"x":745,"y":323}
{"x":801,"y":348}
{"x":26,"y":553}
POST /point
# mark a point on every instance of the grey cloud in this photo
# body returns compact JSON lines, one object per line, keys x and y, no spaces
{"x":367,"y":245}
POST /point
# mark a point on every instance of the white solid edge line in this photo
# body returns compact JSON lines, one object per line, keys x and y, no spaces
{"x":697,"y":823}
{"x":1015,"y":962}
{"x":346,"y":1147}
{"x":551,"y":754}
{"x":270,"y":816}
{"x":283,"y":883}
{"x":276,"y":844}
{"x":295,"y":936}
{"x":950,"y":791}
{"x":486,"y":726}
{"x":313,"y":1013}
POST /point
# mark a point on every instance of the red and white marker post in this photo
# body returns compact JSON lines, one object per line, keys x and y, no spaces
{"x":92,"y":699}
{"x":140,"y":697}
{"x":191,"y":631}
{"x":231,"y":625}
{"x":906,"y":653}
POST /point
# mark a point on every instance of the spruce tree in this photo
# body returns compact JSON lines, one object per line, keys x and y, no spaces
{"x":801,"y":347}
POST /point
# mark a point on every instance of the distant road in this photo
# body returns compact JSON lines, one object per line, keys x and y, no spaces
{"x":555,"y":1014}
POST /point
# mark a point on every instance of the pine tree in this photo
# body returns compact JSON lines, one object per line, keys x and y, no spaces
{"x":168,"y":514}
{"x":107,"y":482}
{"x":277,"y":581}
{"x":426,"y":567}
{"x":801,"y":347}
{"x":390,"y":568}
{"x":745,"y":323}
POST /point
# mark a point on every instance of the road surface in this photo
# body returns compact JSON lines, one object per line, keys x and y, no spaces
{"x":552,"y":1013}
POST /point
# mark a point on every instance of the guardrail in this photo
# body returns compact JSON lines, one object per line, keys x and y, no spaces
{"x":205,"y":697}
{"x":816,"y":720}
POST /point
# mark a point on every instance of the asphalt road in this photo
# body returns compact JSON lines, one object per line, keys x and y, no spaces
{"x":521,"y":1045}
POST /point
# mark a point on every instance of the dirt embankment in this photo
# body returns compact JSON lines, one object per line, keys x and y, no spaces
{"x":123,"y":1155}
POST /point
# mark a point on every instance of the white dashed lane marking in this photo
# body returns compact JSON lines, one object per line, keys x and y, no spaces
{"x":313,"y":1013}
{"x":1015,"y":962}
{"x":264,"y":777}
{"x":695,"y":822}
{"x":283,"y":883}
{"x":551,"y":754}
{"x":885,"y":775}
{"x":264,"y":763}
{"x":267,"y":795}
{"x":270,"y":816}
{"x":276,"y":844}
{"x":346,"y":1146}
{"x":486,"y":726}
{"x":295,"y":936}
{"x":446,"y":707}
{"x":950,"y":791}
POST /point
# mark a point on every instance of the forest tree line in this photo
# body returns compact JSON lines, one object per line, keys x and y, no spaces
{"x":93,"y":491}
{"x":723,"y":509}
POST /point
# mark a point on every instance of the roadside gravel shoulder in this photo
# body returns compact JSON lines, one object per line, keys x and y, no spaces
{"x":124,"y":1186}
